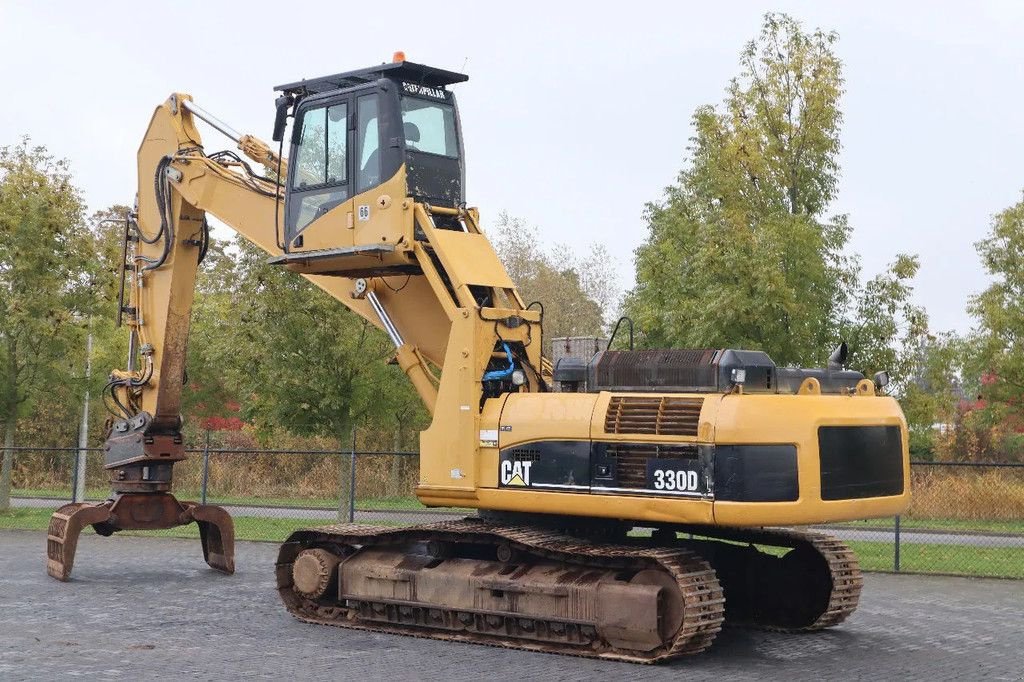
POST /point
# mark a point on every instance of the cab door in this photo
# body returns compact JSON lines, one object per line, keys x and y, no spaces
{"x":320,"y":175}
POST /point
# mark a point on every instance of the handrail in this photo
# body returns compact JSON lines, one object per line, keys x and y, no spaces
{"x":624,"y":318}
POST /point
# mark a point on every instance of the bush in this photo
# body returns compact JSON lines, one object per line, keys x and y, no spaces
{"x":992,"y":495}
{"x":1013,"y":447}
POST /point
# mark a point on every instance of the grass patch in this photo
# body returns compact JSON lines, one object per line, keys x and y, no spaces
{"x":997,"y":562}
{"x":975,"y":525}
{"x":994,"y":562}
{"x":25,"y":519}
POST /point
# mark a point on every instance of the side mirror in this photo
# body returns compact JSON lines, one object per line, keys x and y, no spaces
{"x":281,"y":117}
{"x":838,"y":358}
{"x":881,"y":380}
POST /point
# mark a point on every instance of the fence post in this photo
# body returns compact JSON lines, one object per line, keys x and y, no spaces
{"x":344,"y":481}
{"x":206,"y":465}
{"x":78,"y":491}
{"x":352,"y":481}
{"x":74,"y":479}
{"x":896,"y":545}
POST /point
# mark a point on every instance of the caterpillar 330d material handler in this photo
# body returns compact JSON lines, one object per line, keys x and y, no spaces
{"x":706,"y":448}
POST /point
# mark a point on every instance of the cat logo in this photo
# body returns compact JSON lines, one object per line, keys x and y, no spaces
{"x":515,"y":473}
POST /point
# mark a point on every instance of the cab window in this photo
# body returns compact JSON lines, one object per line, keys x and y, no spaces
{"x":322,"y":147}
{"x":429,"y":127}
{"x":320,"y":176}
{"x":368,"y":144}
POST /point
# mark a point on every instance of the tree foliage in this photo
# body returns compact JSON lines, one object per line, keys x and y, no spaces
{"x":882,"y":326}
{"x":46,"y":277}
{"x":1000,"y":314}
{"x":297,"y":358}
{"x":932,"y":394}
{"x":578,"y":294}
{"x":741,"y":251}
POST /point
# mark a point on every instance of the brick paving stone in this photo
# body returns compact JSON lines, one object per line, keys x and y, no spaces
{"x":146,"y":608}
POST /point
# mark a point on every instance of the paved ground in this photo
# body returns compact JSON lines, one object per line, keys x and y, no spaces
{"x":142,"y":608}
{"x":964,"y":539}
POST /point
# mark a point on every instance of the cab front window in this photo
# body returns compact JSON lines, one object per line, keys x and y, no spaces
{"x":429,"y":127}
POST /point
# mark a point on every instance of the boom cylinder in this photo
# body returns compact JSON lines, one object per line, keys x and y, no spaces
{"x":385,"y":319}
{"x":214,"y":122}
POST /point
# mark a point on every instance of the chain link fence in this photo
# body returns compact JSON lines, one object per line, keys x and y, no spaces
{"x":964,"y":518}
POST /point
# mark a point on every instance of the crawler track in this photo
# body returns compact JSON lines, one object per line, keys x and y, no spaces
{"x":816,"y":585}
{"x":691,"y":597}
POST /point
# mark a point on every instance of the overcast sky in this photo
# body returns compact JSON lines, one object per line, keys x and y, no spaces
{"x":573,"y":118}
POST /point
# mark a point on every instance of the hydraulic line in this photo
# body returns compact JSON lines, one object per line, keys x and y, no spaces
{"x":504,"y":373}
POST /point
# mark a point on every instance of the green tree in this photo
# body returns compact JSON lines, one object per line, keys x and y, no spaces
{"x":578,"y":294}
{"x":303,"y":362}
{"x":300,"y":360}
{"x":932,"y":392}
{"x":999,"y":360}
{"x":741,"y":251}
{"x":110,"y":343}
{"x":46,"y":283}
{"x":882,"y":326}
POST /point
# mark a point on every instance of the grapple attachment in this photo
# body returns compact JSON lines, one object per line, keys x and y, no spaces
{"x":140,"y":464}
{"x":138,"y":511}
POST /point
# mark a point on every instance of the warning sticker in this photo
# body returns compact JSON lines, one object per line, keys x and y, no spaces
{"x":488,"y":438}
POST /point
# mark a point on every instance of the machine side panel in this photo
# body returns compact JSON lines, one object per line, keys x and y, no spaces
{"x":756,"y":473}
{"x":530,"y":417}
{"x":470,"y":259}
{"x":860,"y":461}
{"x":795,"y":420}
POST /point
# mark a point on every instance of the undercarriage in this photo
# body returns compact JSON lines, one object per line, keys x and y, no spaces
{"x":611,"y":595}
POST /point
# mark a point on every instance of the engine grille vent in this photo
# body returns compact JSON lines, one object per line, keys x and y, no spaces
{"x":631,"y":460}
{"x":659,"y":416}
{"x":525,"y":454}
{"x":652,"y":370}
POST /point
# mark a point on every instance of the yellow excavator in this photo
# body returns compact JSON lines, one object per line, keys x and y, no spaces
{"x":626,"y":501}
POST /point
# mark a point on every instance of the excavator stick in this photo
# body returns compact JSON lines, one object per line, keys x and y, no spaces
{"x":138,"y":511}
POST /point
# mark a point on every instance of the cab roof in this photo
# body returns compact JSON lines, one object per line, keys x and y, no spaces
{"x":403,"y":71}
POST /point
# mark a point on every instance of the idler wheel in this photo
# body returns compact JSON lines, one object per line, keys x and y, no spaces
{"x":314,"y":572}
{"x":640,"y":615}
{"x":671,"y":605}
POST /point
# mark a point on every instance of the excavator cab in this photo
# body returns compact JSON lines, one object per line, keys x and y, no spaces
{"x":361,"y":139}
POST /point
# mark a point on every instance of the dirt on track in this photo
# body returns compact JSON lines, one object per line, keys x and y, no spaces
{"x":142,"y":608}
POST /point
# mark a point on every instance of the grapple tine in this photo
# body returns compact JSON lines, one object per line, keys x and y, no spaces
{"x":217,"y":533}
{"x":66,"y":525}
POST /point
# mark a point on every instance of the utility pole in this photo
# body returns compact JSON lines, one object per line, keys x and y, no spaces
{"x":83,"y":428}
